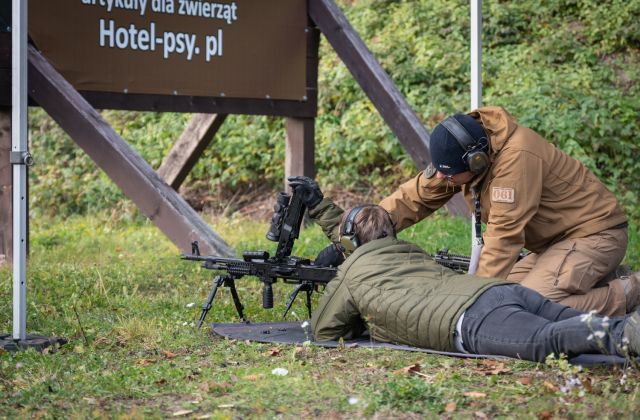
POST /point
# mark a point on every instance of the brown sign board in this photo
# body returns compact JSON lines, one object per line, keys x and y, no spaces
{"x":235,"y":49}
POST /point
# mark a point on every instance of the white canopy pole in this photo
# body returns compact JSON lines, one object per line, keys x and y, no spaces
{"x":476,"y":102}
{"x":476,"y":54}
{"x":19,"y":159}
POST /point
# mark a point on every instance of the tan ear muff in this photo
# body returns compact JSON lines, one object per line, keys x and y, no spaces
{"x":348,"y":244}
{"x":348,"y":237}
{"x":478,"y":161}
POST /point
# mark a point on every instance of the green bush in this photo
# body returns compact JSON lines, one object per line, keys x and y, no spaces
{"x":568,"y":69}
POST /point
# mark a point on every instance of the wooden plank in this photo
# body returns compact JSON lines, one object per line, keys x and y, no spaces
{"x":378,"y":86}
{"x":6,"y":215}
{"x":190,"y":145}
{"x":200,"y":104}
{"x":300,"y":132}
{"x":157,"y":200}
{"x":299,"y":150}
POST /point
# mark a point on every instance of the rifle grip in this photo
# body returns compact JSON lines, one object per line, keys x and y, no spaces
{"x":267,"y":296}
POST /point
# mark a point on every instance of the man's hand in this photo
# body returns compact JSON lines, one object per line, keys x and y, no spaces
{"x":331,"y":256}
{"x":311,"y":194}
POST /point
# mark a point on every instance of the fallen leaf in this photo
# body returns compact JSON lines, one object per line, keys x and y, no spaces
{"x":586,"y":383}
{"x":525,"y":381}
{"x":450,"y":407}
{"x":226,"y":406}
{"x":408,"y":370}
{"x":252,"y":378}
{"x":161,"y":381}
{"x":2,"y":351}
{"x":299,"y":349}
{"x":215,"y":387}
{"x":480,"y":415}
{"x":545,"y":415}
{"x":274,"y":351}
{"x":182,"y":413}
{"x":491,"y":367}
{"x":145,"y":362}
{"x":168,"y":354}
{"x":551,"y":387}
{"x":474,"y":394}
{"x":89,"y":400}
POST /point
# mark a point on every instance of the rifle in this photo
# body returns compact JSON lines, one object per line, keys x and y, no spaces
{"x":460,"y":263}
{"x":284,"y":229}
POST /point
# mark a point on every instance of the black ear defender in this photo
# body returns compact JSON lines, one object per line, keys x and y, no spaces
{"x":348,"y":237}
{"x":476,"y":159}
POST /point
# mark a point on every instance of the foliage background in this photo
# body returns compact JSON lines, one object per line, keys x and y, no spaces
{"x":566,"y":68}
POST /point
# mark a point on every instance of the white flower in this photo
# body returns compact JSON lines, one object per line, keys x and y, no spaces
{"x":353,"y":400}
{"x":305,"y":324}
{"x":587,"y":317}
{"x":575,"y":382}
{"x":190,"y":305}
{"x":590,"y":337}
{"x":280,"y":372}
{"x":599,"y":334}
{"x":185,"y":323}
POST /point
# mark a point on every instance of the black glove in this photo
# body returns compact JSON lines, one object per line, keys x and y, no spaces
{"x":311,"y":194}
{"x":329,"y":257}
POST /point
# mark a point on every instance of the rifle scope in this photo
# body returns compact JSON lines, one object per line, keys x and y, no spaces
{"x":279,"y":211}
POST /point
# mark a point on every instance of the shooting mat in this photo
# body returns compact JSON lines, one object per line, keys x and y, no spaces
{"x":293,"y":333}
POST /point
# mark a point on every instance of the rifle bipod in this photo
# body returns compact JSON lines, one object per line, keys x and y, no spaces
{"x":227,"y":281}
{"x":307,"y":286}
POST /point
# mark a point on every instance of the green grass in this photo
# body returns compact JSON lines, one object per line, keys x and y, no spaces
{"x":118,"y":292}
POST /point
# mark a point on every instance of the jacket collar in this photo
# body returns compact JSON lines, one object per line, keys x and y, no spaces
{"x":368,"y":247}
{"x":499,"y":126}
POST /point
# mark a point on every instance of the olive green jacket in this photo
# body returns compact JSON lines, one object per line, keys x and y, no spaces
{"x":396,"y":290}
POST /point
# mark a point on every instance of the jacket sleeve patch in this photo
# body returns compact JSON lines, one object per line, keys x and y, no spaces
{"x":503,"y":195}
{"x":430,"y":171}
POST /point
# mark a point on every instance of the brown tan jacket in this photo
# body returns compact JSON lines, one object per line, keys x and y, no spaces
{"x":532,"y":195}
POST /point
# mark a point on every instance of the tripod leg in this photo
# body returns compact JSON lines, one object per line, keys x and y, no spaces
{"x":309,"y":291}
{"x":217,"y":282}
{"x":292,"y":298}
{"x":231,"y":284}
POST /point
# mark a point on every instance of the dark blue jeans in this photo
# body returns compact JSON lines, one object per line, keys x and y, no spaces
{"x":512,"y":320}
